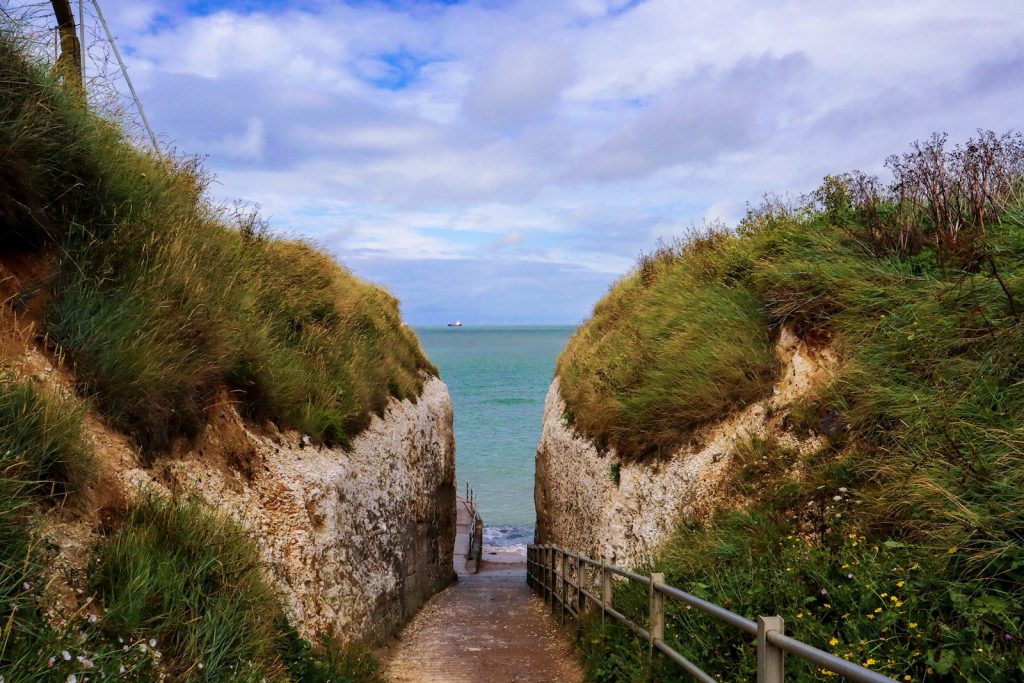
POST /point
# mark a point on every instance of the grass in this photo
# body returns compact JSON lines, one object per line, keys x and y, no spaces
{"x":900,"y":544}
{"x":674,"y":345}
{"x":161,"y":299}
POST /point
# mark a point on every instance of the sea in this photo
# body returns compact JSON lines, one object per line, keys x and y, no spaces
{"x":498,"y":378}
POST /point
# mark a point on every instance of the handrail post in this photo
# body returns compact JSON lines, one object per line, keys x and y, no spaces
{"x":564,"y":583}
{"x":581,"y":599}
{"x":770,"y":667}
{"x":657,"y":612}
{"x":551,"y":577}
{"x":606,"y":591}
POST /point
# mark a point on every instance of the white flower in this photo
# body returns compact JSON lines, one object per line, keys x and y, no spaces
{"x":121,"y":669}
{"x":92,"y":618}
{"x":87,"y":663}
{"x":26,"y":586}
{"x":66,"y":655}
{"x":72,"y":679}
{"x":152,"y":642}
{"x":837,"y":498}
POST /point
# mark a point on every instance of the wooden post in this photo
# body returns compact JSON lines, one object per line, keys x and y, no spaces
{"x":657,"y":613}
{"x":581,"y":599}
{"x":564,"y":581}
{"x":606,"y":591}
{"x":770,"y":665}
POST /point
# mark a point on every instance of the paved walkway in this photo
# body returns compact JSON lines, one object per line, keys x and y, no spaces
{"x":488,"y":627}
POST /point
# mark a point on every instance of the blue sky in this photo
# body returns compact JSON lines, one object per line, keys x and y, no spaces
{"x":505,"y":162}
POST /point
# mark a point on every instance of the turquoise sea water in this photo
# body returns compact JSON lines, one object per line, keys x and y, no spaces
{"x":498,"y":378}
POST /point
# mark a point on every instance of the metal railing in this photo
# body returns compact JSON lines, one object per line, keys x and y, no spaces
{"x":475,"y":551}
{"x":549,"y":571}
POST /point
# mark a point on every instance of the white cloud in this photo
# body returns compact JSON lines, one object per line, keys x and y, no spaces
{"x":563,"y":137}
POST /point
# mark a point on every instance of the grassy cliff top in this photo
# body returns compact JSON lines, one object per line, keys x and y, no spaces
{"x":161,"y":299}
{"x":900,"y":543}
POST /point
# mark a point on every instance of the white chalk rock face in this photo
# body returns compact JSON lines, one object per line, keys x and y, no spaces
{"x":581,"y":507}
{"x":356,"y":541}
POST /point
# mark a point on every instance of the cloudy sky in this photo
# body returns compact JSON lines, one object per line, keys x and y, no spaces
{"x":504,"y":162}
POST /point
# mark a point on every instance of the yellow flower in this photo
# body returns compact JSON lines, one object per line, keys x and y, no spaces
{"x":846,"y":566}
{"x":930,"y":670}
{"x":952,"y":550}
{"x":917,"y":653}
{"x":913,"y":624}
{"x":833,"y":642}
{"x":846,"y":616}
{"x":878,"y":610}
{"x":799,"y":615}
{"x":899,"y":584}
{"x":871,"y":616}
{"x":916,"y":565}
{"x":870,"y":661}
{"x":899,"y":603}
{"x":907,"y":677}
{"x":828,"y":606}
{"x":885,"y":595}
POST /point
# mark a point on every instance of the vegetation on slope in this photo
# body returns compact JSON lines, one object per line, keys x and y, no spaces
{"x":900,"y":545}
{"x":176,"y":591}
{"x":162,"y":298}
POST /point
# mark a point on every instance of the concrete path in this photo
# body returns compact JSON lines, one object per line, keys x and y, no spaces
{"x":488,"y":627}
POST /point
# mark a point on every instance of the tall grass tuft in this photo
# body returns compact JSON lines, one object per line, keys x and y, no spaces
{"x":190,"y":581}
{"x":42,"y":458}
{"x":676,"y":344}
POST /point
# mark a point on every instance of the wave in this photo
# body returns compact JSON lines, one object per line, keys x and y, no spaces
{"x":505,"y":535}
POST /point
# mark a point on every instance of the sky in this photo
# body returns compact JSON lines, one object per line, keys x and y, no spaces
{"x":505,"y":162}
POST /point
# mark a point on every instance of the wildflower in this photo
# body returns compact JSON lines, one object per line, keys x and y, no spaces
{"x":152,"y":642}
{"x":51,"y":661}
{"x":837,"y":498}
{"x":92,"y":618}
{"x":885,"y":595}
{"x":26,"y":586}
{"x":899,"y":584}
{"x":916,"y":565}
{"x":870,"y":661}
{"x":799,"y":615}
{"x":952,"y":550}
{"x":72,"y":679}
{"x":907,"y":677}
{"x":899,"y":603}
{"x":871,"y":616}
{"x":878,"y":610}
{"x":824,"y":591}
{"x":930,"y":670}
{"x":87,"y":663}
{"x":917,"y":653}
{"x":912,"y":624}
{"x":828,"y":606}
{"x":849,"y":576}
{"x":843,"y":489}
{"x":66,"y":655}
{"x":121,"y":669}
{"x":834,"y":641}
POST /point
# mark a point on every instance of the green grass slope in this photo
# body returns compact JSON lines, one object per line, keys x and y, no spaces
{"x":900,"y":544}
{"x":161,"y":298}
{"x":160,"y":302}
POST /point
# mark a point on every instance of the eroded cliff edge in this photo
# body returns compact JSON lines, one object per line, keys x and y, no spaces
{"x":621,"y":510}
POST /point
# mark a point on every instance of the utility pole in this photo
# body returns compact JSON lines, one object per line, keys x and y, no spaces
{"x":69,"y":63}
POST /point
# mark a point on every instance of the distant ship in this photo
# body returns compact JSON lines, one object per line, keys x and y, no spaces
{"x":457,"y":323}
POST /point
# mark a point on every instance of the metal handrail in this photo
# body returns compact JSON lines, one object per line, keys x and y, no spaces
{"x":552,"y":580}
